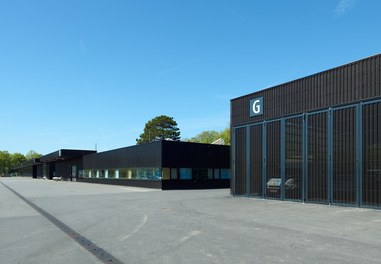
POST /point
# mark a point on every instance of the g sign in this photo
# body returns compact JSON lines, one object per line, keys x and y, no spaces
{"x":256,"y":106}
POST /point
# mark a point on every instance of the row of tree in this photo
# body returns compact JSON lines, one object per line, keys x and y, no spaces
{"x":211,"y":136}
{"x":165,"y":127}
{"x":159,"y":128}
{"x":8,"y":160}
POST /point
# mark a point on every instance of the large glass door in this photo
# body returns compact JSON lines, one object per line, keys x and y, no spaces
{"x":371,"y":141}
{"x":293,"y":184}
{"x":344,"y":156}
{"x":317,"y":172}
{"x":273,"y":160}
{"x":256,"y":158}
{"x":240,"y":161}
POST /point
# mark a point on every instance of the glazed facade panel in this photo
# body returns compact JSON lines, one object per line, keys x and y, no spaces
{"x":317,"y":139}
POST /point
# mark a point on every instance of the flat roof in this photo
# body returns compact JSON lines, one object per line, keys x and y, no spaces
{"x":28,"y":163}
{"x":64,"y":154}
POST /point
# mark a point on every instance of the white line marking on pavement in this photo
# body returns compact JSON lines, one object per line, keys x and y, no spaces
{"x":190,"y":235}
{"x":137,"y":228}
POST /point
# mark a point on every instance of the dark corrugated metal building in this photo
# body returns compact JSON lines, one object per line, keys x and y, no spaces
{"x":316,"y":139}
{"x":161,"y":164}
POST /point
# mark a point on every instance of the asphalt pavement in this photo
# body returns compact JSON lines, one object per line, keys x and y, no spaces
{"x":44,"y":221}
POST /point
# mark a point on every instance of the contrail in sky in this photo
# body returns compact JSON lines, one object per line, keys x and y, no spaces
{"x":203,"y":56}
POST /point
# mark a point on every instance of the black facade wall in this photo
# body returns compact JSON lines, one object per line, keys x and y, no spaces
{"x":72,"y":153}
{"x":51,"y":170}
{"x":29,"y":163}
{"x":30,"y":171}
{"x":39,"y":171}
{"x":145,"y":155}
{"x":50,"y":156}
{"x":192,"y":184}
{"x":34,"y":175}
{"x":124,"y":182}
{"x":65,"y":154}
{"x":353,"y":82}
{"x":162,"y":154}
{"x":29,"y":168}
{"x":164,"y":184}
{"x":58,"y":163}
{"x":63,"y":168}
{"x":26,"y":171}
{"x":194,"y":155}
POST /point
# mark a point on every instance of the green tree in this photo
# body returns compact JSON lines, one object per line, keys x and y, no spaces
{"x":17,"y":159}
{"x":32,"y":155}
{"x":210,"y":136}
{"x":206,"y":137}
{"x":225,"y":135}
{"x":5,"y":162}
{"x":160,"y":127}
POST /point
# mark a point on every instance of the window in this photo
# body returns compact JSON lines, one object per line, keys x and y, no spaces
{"x":111,"y":174}
{"x":100,"y":173}
{"x":216,"y":173}
{"x":151,"y":173}
{"x":174,"y":173}
{"x":86,"y":174}
{"x":225,"y":174}
{"x":185,"y":174}
{"x":202,"y":174}
{"x":123,"y":173}
{"x":166,"y":173}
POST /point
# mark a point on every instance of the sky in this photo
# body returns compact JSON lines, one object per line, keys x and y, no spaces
{"x":86,"y":74}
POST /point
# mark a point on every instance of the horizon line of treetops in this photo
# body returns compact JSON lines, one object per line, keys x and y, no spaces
{"x":160,"y":127}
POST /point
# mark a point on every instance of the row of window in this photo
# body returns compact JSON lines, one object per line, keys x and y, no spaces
{"x":195,"y":173}
{"x":124,"y":173}
{"x":157,"y":173}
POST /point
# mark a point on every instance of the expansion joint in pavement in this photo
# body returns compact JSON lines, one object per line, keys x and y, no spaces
{"x":97,"y":251}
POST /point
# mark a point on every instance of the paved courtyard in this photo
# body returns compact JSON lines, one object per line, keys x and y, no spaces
{"x":135,"y":225}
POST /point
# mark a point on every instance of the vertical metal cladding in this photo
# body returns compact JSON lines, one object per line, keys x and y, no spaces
{"x":344,"y":156}
{"x":371,"y":173}
{"x":240,"y":164}
{"x":256,"y":159}
{"x":273,"y":172}
{"x":317,"y":173}
{"x":349,"y":83}
{"x":316,"y":139}
{"x":294,"y":158}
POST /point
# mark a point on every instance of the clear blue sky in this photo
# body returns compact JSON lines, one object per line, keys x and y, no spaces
{"x":76,"y":73}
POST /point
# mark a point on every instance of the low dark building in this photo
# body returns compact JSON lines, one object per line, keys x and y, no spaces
{"x":30,"y":168}
{"x":65,"y":163}
{"x":316,"y":139}
{"x":161,"y":164}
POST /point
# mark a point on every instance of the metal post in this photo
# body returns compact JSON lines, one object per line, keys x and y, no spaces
{"x":330,"y":156}
{"x":359,"y":155}
{"x":248,"y":161}
{"x":282,"y":157}
{"x":233,"y":170}
{"x":304,"y":158}
{"x":264,"y":160}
